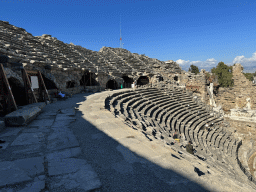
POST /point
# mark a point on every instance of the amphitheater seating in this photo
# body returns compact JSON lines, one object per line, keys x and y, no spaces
{"x":158,"y":113}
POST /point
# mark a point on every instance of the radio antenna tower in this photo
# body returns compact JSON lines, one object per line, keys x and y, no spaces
{"x":121,"y":45}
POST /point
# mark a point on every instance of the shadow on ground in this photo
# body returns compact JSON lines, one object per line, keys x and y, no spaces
{"x":120,"y":169}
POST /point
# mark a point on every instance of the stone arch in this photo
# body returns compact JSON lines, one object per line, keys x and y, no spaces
{"x":88,"y":79}
{"x":18,"y":91}
{"x":143,"y":80}
{"x":175,"y":78}
{"x":127,"y":81}
{"x":160,"y":78}
{"x":111,"y":84}
{"x":49,"y":84}
{"x":70,"y":84}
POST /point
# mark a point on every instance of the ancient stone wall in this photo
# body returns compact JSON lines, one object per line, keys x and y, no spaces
{"x":15,"y":74}
{"x":67,"y":62}
{"x":245,"y":130}
{"x":196,"y":84}
{"x":241,"y":95}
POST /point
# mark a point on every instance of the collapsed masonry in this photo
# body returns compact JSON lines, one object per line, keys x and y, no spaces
{"x":240,"y":97}
{"x":72,"y":68}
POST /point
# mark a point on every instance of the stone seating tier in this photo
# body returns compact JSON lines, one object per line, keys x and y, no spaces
{"x":157,"y":108}
{"x":217,"y":144}
{"x":155,"y":102}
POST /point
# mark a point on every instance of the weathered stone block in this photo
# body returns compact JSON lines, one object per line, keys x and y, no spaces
{"x":22,"y":116}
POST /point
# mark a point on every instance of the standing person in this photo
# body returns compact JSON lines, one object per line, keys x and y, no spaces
{"x":189,"y":148}
{"x":133,"y":85}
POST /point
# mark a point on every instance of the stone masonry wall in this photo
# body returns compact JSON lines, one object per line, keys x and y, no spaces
{"x":197,"y":84}
{"x":238,"y":96}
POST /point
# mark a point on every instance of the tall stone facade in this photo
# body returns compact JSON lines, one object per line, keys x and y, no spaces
{"x":63,"y":65}
{"x":241,"y":95}
{"x":197,"y":84}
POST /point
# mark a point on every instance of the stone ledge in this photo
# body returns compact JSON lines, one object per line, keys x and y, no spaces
{"x":23,"y":116}
{"x":40,"y":105}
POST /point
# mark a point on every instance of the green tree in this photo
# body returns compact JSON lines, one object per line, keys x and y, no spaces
{"x":193,"y":69}
{"x":224,"y":74}
{"x":249,"y":76}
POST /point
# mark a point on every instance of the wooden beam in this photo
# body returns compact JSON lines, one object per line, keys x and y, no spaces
{"x":42,"y":88}
{"x":30,"y":96}
{"x":32,"y":72}
{"x":9,"y":101}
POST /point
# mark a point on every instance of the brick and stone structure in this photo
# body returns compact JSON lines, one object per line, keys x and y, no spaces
{"x":73,"y":68}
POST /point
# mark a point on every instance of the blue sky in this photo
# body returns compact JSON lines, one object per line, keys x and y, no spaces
{"x":199,"y":32}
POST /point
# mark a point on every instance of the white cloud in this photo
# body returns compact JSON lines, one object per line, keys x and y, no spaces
{"x":195,"y":62}
{"x":211,"y":60}
{"x":207,"y":64}
{"x":182,"y":62}
{"x":246,"y":62}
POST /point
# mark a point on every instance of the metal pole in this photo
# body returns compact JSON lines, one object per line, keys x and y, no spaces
{"x":120,"y":33}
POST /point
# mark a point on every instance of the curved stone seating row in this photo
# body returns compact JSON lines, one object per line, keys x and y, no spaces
{"x":243,"y":156}
{"x":122,"y":105}
{"x":214,"y":147}
{"x":186,"y":100}
{"x":51,"y":51}
{"x":242,"y":167}
{"x":112,"y":58}
{"x":28,"y":49}
{"x":150,"y":114}
{"x":130,"y":58}
{"x":166,"y":115}
{"x":251,"y":159}
{"x":154,"y":104}
{"x":177,"y":92}
{"x":198,"y":125}
{"x":132,"y":114}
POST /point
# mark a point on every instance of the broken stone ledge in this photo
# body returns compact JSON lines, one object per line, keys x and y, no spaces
{"x":24,"y":115}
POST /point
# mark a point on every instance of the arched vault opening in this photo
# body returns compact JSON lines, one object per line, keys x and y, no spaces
{"x":18,"y":91}
{"x":49,"y":84}
{"x":127,"y":81}
{"x":160,"y":78}
{"x":111,"y":84}
{"x":70,"y":84}
{"x":143,"y":80}
{"x":88,"y":79}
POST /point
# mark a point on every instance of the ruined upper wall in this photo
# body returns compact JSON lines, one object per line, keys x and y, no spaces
{"x":66,"y":62}
{"x":242,"y":94}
